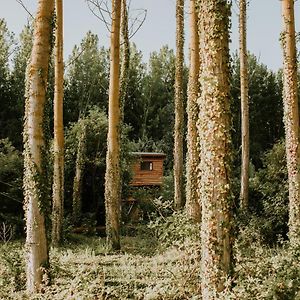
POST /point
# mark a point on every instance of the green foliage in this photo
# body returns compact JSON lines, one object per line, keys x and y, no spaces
{"x":86,"y":82}
{"x":95,"y":123}
{"x":264,"y":273}
{"x":176,"y":230}
{"x":265,"y":107}
{"x":12,"y":275}
{"x":11,"y":196}
{"x":269,"y":194}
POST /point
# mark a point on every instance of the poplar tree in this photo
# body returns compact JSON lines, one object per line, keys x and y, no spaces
{"x":112,"y":176}
{"x":192,"y":161}
{"x":79,"y":168}
{"x":58,"y":170}
{"x":34,"y":147}
{"x":179,"y":111}
{"x":215,"y":144}
{"x":291,"y":118}
{"x":244,"y":193}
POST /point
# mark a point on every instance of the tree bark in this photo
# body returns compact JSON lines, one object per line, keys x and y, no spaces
{"x":112,"y":176}
{"x":58,"y":172}
{"x":179,"y":111}
{"x":34,"y":166}
{"x":192,"y":161}
{"x":291,"y":118}
{"x":77,"y":184}
{"x":244,"y":193}
{"x":215,"y":145}
{"x":124,"y":76}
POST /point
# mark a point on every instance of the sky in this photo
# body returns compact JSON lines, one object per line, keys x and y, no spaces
{"x":264,"y":25}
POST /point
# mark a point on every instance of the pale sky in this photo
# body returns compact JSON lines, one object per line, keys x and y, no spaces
{"x":264,"y":25}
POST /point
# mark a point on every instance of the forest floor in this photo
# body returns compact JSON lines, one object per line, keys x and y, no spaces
{"x":156,"y":263}
{"x":84,"y":269}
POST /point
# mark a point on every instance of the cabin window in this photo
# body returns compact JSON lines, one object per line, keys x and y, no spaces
{"x":146,"y":166}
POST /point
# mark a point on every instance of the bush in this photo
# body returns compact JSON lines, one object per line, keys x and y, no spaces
{"x":11,"y":178}
{"x":175,"y":230}
{"x":269,"y":194}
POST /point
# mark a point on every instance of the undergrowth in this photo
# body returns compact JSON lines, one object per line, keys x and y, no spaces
{"x":160,"y":261}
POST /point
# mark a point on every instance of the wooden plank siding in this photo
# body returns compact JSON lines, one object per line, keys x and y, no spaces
{"x":152,"y":177}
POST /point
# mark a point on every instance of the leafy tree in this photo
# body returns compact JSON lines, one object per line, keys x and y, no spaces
{"x":11,"y":195}
{"x":269,"y":194}
{"x":20,"y":62}
{"x":86,"y":78}
{"x":92,"y":194}
{"x":134,"y":101}
{"x":265,"y":108}
{"x":7,"y":105}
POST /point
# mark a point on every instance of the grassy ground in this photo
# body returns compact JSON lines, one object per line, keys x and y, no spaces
{"x":83,"y":269}
{"x":157,"y":262}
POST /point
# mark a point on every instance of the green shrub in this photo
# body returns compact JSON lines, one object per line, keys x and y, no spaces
{"x":175,"y":230}
{"x":269,"y":194}
{"x":11,"y":178}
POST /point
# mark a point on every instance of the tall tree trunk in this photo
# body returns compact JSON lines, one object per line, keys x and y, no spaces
{"x":125,"y":51}
{"x":215,"y":144}
{"x":291,"y":118}
{"x":58,"y":172}
{"x":244,"y":105}
{"x":179,"y":112}
{"x":112,"y":176}
{"x":192,"y":162}
{"x":77,"y":184}
{"x":34,"y":145}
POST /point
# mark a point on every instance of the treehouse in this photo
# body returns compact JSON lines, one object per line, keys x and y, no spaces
{"x":148,"y":169}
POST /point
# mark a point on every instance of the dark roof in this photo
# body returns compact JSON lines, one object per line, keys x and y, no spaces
{"x":152,"y":154}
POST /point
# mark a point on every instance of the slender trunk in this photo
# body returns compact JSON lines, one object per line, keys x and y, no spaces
{"x":291,"y":118}
{"x":58,"y":172}
{"x":192,"y":173}
{"x":244,"y":105}
{"x":34,"y":203}
{"x":125,"y":51}
{"x":77,"y":184}
{"x":112,"y":176}
{"x":179,"y":111}
{"x":215,"y":145}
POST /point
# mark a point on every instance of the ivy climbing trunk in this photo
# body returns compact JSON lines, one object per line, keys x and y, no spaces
{"x":58,"y":169}
{"x":112,"y":176}
{"x":179,"y":111}
{"x":34,"y":146}
{"x":125,"y":51}
{"x":215,"y":145}
{"x":244,"y":105}
{"x":192,"y":161}
{"x":291,"y":118}
{"x":79,"y":167}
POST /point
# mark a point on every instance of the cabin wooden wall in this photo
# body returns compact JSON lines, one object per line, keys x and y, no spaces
{"x":145,"y":177}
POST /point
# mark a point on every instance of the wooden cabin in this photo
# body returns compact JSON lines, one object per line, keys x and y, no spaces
{"x":148,"y":169}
